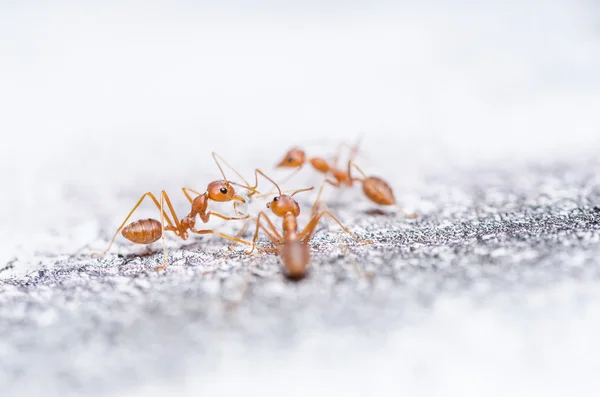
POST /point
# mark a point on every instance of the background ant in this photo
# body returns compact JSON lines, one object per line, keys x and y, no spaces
{"x":374,"y":187}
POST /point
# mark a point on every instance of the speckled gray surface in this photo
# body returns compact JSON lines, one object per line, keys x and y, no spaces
{"x":506,"y":252}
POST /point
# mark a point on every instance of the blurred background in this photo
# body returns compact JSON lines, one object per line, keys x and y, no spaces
{"x":102,"y":101}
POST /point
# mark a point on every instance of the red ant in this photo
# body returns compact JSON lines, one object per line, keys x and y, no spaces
{"x":147,"y":231}
{"x":292,"y":245}
{"x":375,"y":188}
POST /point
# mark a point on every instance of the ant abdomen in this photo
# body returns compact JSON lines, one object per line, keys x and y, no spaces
{"x":378,"y":191}
{"x":296,"y":258}
{"x":144,"y":231}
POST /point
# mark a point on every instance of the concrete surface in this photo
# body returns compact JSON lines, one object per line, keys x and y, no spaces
{"x":494,"y":288}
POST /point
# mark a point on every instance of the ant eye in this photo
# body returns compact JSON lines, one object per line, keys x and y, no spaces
{"x":223,"y":190}
{"x":290,"y":160}
{"x":276,"y":198}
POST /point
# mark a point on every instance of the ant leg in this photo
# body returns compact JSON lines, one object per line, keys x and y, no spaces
{"x":308,"y":231}
{"x":189,"y":197}
{"x":353,"y":150}
{"x":316,"y":203}
{"x":277,"y":235}
{"x":164,"y":197}
{"x":353,"y":164}
{"x":147,"y":194}
{"x":241,"y":233}
{"x":207,"y":216}
{"x":273,"y":234}
{"x":236,"y":239}
{"x":162,"y":224}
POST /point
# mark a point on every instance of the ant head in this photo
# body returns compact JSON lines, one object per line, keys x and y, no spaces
{"x":222,"y":191}
{"x":293,"y":159}
{"x":281,"y":205}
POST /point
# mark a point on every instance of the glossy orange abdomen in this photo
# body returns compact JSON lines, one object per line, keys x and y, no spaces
{"x":144,"y":231}
{"x":378,"y":191}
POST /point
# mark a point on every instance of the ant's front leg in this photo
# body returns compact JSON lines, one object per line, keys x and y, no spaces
{"x":271,"y":232}
{"x":205,"y":217}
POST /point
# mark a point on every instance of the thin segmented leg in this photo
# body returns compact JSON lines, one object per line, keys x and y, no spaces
{"x":210,"y":231}
{"x":308,"y":231}
{"x":316,"y":203}
{"x":164,"y":197}
{"x":353,"y":150}
{"x":177,"y":227}
{"x":353,"y":164}
{"x":276,"y":234}
{"x":163,"y":194}
{"x":147,"y":194}
{"x":206,"y":217}
{"x":240,"y":234}
{"x":273,"y":234}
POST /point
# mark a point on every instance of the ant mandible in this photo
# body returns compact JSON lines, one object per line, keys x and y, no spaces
{"x":292,"y":245}
{"x":147,"y":231}
{"x":374,"y":187}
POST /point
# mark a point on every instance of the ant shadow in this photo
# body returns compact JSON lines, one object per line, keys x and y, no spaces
{"x":377,"y":212}
{"x":146,"y":252}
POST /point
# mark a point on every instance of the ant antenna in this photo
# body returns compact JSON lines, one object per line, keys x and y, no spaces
{"x":302,"y":190}
{"x":215,"y":155}
{"x":271,"y":180}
